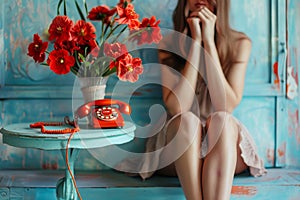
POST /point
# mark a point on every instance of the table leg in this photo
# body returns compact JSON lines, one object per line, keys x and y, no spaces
{"x":65,"y":189}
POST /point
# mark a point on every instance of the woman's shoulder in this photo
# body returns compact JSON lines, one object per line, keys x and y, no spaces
{"x":241,"y":38}
{"x":242,"y":45}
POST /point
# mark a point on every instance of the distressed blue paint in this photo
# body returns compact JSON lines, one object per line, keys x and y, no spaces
{"x":258,"y":29}
{"x":1,"y":114}
{"x":281,"y":132}
{"x":36,"y":185}
{"x":281,"y":44}
{"x":258,"y":115}
{"x":2,"y":64}
{"x":22,"y":20}
{"x":293,"y":134}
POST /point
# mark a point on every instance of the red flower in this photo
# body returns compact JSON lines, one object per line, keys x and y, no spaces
{"x":102,"y":13}
{"x":129,"y":68}
{"x":93,"y":46}
{"x":60,"y":61}
{"x":128,"y":16}
{"x":59,"y":29}
{"x":37,"y":49}
{"x":115,"y":50}
{"x":68,"y":45}
{"x":87,"y":48}
{"x":83,"y":32}
{"x":150,"y":31}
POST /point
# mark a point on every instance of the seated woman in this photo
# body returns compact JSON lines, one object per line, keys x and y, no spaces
{"x":203,"y":143}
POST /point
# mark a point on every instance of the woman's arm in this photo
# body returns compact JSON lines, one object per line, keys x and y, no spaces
{"x":180,"y":96}
{"x":225,"y":92}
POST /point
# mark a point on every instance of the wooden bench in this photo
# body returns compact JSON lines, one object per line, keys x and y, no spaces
{"x":279,"y":183}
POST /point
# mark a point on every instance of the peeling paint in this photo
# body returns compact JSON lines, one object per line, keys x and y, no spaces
{"x":277,"y":78}
{"x":294,"y":125}
{"x":291,"y":84}
{"x":270,"y":155}
{"x":244,"y":190}
{"x":281,"y":152}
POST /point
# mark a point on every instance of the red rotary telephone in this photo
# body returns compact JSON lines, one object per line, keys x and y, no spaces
{"x":104,"y":113}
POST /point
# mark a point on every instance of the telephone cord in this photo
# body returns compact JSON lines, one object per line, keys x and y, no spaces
{"x":70,"y":131}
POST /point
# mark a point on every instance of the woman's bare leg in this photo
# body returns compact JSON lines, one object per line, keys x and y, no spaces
{"x":220,"y":163}
{"x":189,"y":165}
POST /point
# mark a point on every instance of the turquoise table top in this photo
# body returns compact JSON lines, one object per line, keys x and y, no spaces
{"x":21,"y":135}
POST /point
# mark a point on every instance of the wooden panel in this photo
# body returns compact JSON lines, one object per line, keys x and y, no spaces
{"x":1,"y":114}
{"x":1,"y":45}
{"x":280,"y":184}
{"x":291,"y":138}
{"x":263,"y":29}
{"x":246,"y":18}
{"x":258,"y":115}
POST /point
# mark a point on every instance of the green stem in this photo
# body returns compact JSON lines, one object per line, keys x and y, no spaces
{"x":58,"y":7}
{"x":74,"y":70}
{"x":65,"y":8}
{"x":119,"y":34}
{"x":102,"y":33}
{"x":79,"y":11}
{"x":133,"y":34}
{"x":85,"y":6}
{"x":112,"y":31}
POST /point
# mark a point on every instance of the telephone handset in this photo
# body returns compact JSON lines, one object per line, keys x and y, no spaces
{"x":104,"y":113}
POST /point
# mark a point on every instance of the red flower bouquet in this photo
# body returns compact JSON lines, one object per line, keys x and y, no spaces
{"x":79,"y":48}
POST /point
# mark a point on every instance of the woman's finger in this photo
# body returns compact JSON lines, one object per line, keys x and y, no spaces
{"x":205,"y":13}
{"x":194,"y":14}
{"x":202,"y":16}
{"x":208,"y":13}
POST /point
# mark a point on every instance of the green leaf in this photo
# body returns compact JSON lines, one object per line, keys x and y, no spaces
{"x":79,"y":11}
{"x":101,"y":65}
{"x":85,"y":6}
{"x":65,"y":8}
{"x":43,"y":63}
{"x":110,"y":71}
{"x":58,"y":7}
{"x":82,"y":57}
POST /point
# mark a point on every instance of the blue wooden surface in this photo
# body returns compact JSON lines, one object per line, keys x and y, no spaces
{"x":31,"y":92}
{"x":279,"y":184}
{"x":292,"y":135}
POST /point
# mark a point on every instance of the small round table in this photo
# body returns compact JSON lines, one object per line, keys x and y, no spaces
{"x":21,"y":135}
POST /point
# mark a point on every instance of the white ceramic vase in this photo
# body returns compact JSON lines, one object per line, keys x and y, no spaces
{"x":92,"y":88}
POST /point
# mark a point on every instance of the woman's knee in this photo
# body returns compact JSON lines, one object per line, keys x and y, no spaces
{"x":223,"y":124}
{"x":187,"y":124}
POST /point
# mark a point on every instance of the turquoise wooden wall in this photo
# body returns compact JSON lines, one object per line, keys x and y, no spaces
{"x":30,"y":92}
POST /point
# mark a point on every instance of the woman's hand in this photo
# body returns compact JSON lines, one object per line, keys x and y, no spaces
{"x":208,"y":21}
{"x":206,"y":31}
{"x":194,"y":24}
